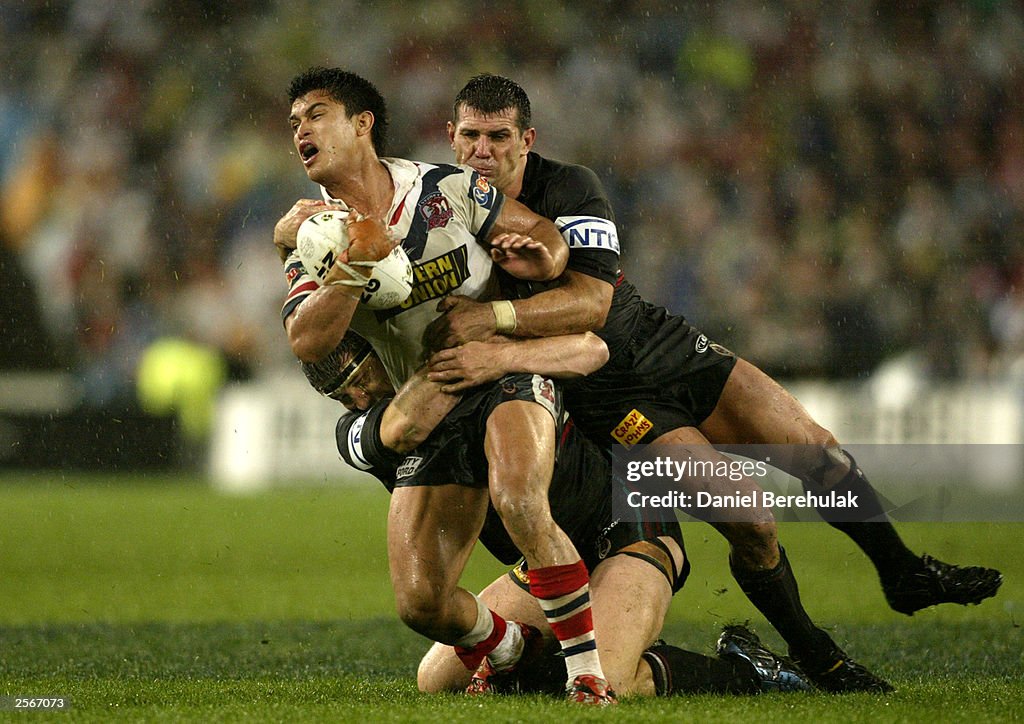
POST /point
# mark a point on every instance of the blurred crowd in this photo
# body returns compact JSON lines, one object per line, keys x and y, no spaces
{"x":823,"y":187}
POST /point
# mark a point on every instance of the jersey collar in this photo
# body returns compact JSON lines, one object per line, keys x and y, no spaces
{"x":403,"y":175}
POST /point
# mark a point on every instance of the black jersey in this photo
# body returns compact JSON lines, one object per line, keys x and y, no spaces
{"x":558,"y":190}
{"x":662,"y":373}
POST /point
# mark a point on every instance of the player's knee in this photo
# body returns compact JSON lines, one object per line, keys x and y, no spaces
{"x":820,"y":437}
{"x":520,"y":501}
{"x":425,"y":680}
{"x":423,"y":609}
{"x":523,"y":513}
{"x":430,"y":678}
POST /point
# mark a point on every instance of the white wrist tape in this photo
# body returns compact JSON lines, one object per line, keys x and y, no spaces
{"x":504,"y":316}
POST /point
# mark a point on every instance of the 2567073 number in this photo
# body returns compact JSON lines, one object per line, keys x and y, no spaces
{"x":34,"y":702}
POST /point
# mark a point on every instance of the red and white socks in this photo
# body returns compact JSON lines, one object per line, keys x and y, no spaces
{"x":492,"y":637}
{"x":564,"y":594}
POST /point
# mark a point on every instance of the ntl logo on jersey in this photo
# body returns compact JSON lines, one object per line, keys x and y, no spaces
{"x":588,"y":232}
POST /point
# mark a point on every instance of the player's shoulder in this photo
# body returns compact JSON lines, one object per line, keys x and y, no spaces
{"x":548,"y":170}
{"x":404,"y":170}
{"x":556,"y":188}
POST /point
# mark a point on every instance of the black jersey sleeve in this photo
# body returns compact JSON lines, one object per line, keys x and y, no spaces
{"x":601,"y":264}
{"x":571,"y":190}
{"x":358,"y":439}
{"x":574,"y":198}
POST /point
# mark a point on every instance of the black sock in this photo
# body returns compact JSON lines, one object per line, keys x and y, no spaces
{"x":868,"y":526}
{"x":677,"y":671}
{"x":775,"y":594}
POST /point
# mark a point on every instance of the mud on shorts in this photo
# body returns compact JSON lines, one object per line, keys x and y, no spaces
{"x":669,"y":375}
{"x":454,"y":451}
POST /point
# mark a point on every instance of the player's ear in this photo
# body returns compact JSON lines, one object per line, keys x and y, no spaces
{"x":363,"y":123}
{"x":529,"y":136}
{"x":451,"y":134}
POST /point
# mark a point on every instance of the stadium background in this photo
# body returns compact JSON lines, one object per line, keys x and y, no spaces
{"x":826,"y":190}
{"x":835,"y":192}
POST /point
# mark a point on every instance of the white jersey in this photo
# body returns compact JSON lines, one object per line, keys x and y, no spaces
{"x":443,"y":214}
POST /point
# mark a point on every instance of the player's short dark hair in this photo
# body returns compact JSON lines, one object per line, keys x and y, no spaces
{"x":490,"y":93}
{"x":328,"y":375}
{"x":355,"y":92}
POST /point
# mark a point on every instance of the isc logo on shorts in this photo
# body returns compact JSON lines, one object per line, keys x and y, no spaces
{"x":632,"y":428}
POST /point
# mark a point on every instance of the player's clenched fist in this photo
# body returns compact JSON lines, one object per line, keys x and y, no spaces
{"x":368,"y":238}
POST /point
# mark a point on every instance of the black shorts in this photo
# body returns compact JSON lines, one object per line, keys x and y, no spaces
{"x":669,"y":375}
{"x":454,"y":452}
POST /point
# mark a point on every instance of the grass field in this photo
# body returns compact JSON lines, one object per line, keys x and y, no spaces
{"x":161,"y":600}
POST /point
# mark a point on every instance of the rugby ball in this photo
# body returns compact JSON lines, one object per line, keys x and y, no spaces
{"x":324,"y":236}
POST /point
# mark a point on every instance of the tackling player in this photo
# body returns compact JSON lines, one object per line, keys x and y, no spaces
{"x":684,"y":388}
{"x":452,"y":224}
{"x":635,"y":566}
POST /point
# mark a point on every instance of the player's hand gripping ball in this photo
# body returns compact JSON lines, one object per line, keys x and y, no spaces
{"x":321,"y":240}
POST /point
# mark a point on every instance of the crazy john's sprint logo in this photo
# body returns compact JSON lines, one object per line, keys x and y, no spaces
{"x":436,"y":211}
{"x":632,"y":429}
{"x":433,"y":279}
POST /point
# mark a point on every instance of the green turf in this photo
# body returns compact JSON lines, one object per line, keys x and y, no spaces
{"x":161,"y":600}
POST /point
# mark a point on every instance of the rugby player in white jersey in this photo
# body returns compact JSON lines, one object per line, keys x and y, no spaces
{"x":453,"y":225}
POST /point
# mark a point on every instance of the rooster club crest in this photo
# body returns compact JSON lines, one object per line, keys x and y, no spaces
{"x":547,"y":390}
{"x":436,"y":211}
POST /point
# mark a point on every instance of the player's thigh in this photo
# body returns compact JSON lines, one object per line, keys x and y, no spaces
{"x":520,"y":444}
{"x":441,"y":670}
{"x":751,"y":529}
{"x":629,"y":601}
{"x":755,"y":409}
{"x":693,"y":444}
{"x":431,"y":533}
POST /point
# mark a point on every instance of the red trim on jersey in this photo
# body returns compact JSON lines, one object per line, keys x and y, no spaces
{"x":566,"y":431}
{"x":300,"y":289}
{"x":398,"y":213}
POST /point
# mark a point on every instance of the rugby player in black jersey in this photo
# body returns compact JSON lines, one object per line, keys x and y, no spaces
{"x":635,"y":566}
{"x":666,"y":383}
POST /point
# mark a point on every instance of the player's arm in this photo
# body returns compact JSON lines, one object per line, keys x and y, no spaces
{"x":414,"y":413}
{"x":318,"y":323}
{"x":423,"y":402}
{"x":527,"y":245}
{"x":583,"y":297}
{"x":578,"y":304}
{"x":472,"y":364}
{"x":360,"y":445}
